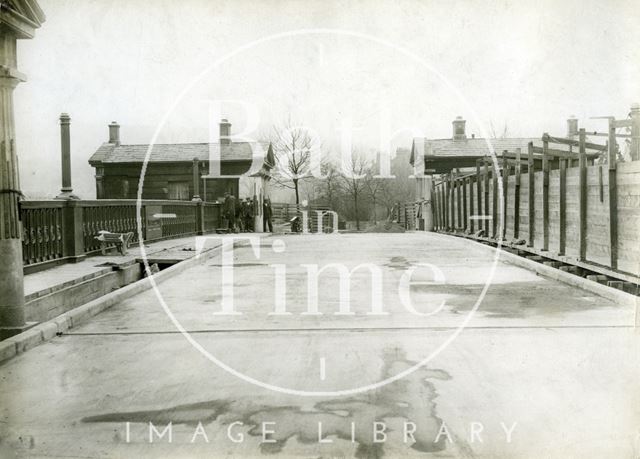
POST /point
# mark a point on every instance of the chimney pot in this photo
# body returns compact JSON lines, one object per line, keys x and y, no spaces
{"x":114,"y":133}
{"x":225,"y":131}
{"x":459,"y":129}
{"x":572,"y":126}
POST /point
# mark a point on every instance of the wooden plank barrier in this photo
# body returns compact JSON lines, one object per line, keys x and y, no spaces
{"x":579,"y":205}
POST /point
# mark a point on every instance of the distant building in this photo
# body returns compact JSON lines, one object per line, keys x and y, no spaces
{"x":170,"y":168}
{"x":460,"y":153}
{"x":441,"y":156}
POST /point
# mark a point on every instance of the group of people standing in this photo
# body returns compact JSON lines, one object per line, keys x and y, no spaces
{"x":240,"y":214}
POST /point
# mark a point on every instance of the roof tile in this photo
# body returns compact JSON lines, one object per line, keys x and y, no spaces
{"x":177,"y":152}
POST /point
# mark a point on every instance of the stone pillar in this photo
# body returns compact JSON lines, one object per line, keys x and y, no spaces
{"x":11,"y":277}
{"x":635,"y":132}
{"x":73,"y":240}
{"x":66,"y":192}
{"x":196,"y":180}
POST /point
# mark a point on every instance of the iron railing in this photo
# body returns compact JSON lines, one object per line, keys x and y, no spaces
{"x":66,"y":230}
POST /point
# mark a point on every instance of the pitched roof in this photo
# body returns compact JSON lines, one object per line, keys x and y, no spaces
{"x":173,"y":152}
{"x":468,"y":147}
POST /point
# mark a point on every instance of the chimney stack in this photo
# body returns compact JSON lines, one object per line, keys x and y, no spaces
{"x":459,"y":129}
{"x":572,"y":127}
{"x":225,"y":131}
{"x":66,"y":192}
{"x":114,"y":133}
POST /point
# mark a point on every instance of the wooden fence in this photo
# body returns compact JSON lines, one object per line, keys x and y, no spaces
{"x":580,"y":206}
{"x":56,"y":231}
{"x":406,"y":214}
{"x":283,"y":213}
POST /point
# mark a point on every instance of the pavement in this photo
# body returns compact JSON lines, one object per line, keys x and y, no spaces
{"x":475,"y":358}
{"x":57,"y":276}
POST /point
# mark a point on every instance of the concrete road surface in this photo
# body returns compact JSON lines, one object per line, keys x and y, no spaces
{"x":440,"y":352}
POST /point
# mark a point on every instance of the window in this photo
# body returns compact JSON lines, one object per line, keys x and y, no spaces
{"x":179,"y":191}
{"x":124,"y":188}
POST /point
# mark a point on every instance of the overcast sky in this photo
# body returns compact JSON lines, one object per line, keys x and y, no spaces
{"x":528,"y":65}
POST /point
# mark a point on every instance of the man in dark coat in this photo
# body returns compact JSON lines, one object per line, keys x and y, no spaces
{"x":229,"y":210}
{"x":267,"y":212}
{"x":247,"y":214}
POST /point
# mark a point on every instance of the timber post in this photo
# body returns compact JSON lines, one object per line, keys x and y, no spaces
{"x":563,"y":206}
{"x":494,"y":196}
{"x":635,"y":132}
{"x":583,"y":194}
{"x":545,"y":192}
{"x":479,"y":193}
{"x":532,"y":212}
{"x":613,"y":196}
{"x":465,"y":221}
{"x":486,"y":197}
{"x":516,"y":197}
{"x":505,"y":194}
{"x":471,"y":212}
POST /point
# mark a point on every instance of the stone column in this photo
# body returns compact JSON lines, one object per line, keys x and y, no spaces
{"x":17,"y":20}
{"x":66,"y":192}
{"x":11,"y":277}
{"x":196,"y":180}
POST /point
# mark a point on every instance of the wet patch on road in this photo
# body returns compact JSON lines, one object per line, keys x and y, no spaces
{"x":352,"y":419}
{"x":518,"y":299}
{"x":239,"y":265}
{"x":399,"y":263}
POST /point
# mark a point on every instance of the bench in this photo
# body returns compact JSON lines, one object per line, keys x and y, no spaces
{"x":121,"y":240}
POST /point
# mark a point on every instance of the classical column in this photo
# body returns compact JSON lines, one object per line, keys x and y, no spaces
{"x":11,"y":278}
{"x":18,"y":19}
{"x":66,"y":192}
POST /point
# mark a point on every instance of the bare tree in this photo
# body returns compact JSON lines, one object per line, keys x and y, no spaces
{"x":353,"y":181}
{"x":331,"y":185}
{"x":293,"y":146}
{"x":375,"y":187}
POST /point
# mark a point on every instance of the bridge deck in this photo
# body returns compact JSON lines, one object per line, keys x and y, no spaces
{"x":554,"y":359}
{"x":57,"y":276}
